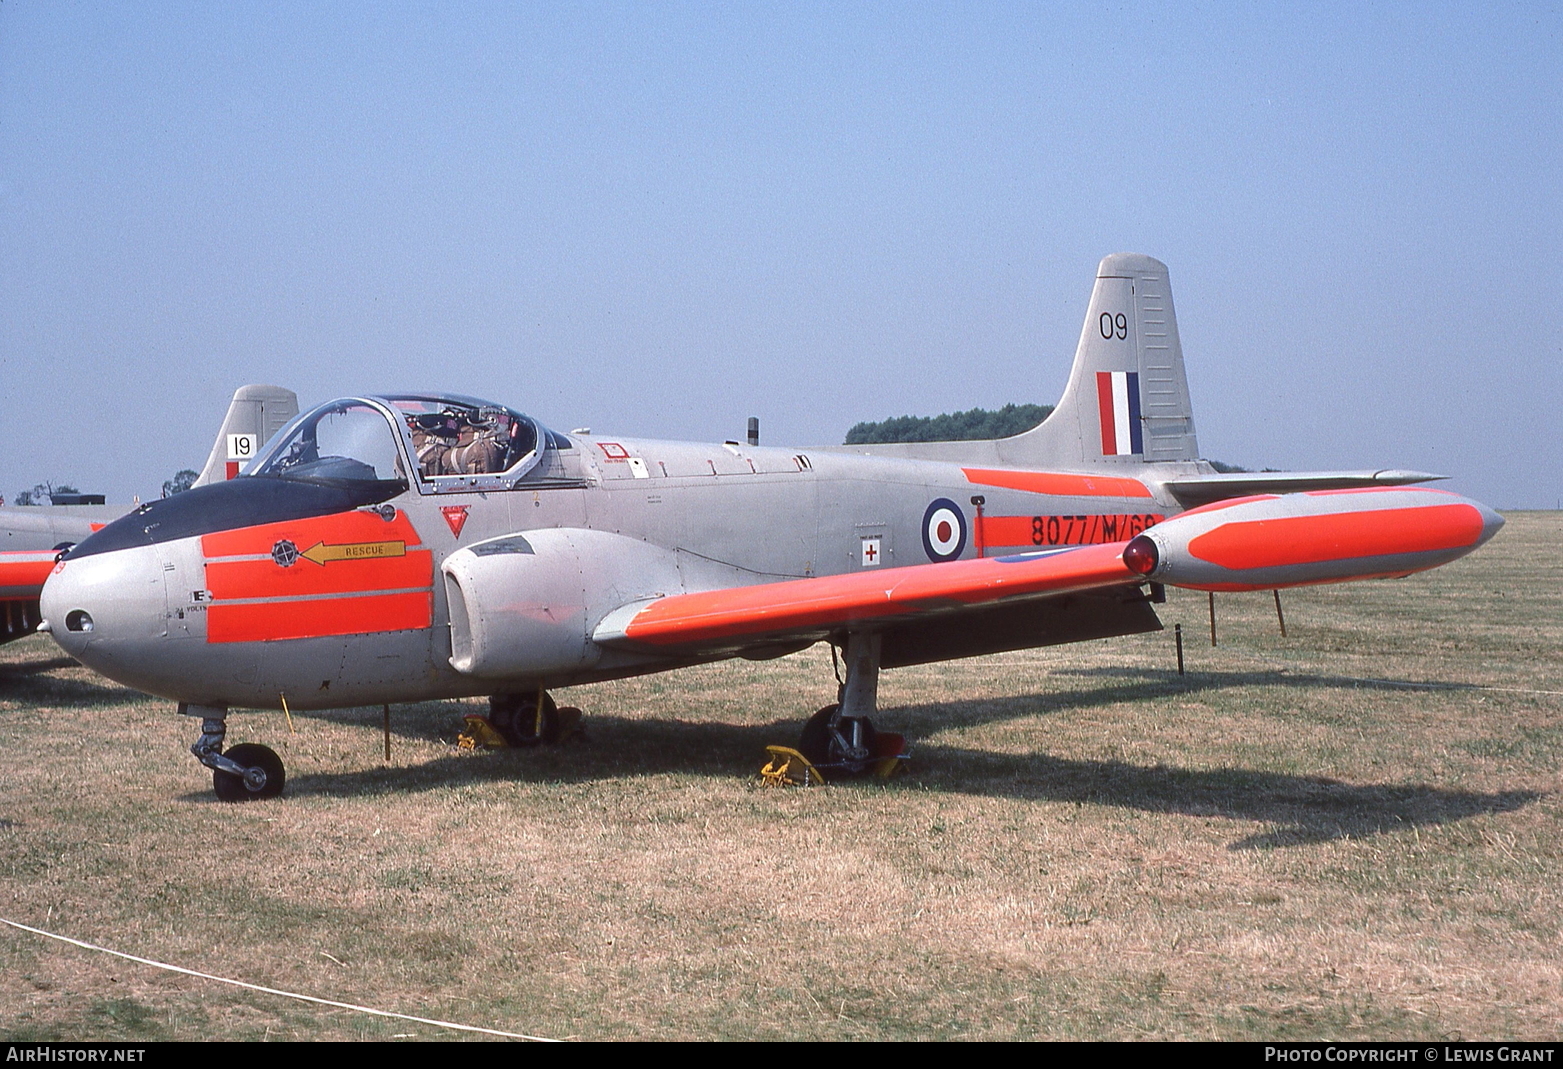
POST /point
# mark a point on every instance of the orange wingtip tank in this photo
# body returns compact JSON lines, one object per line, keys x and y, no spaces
{"x":1299,"y":539}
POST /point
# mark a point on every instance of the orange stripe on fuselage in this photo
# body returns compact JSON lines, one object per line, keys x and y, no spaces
{"x":363,"y":582}
{"x":276,"y":620}
{"x":338,"y":528}
{"x":1044,"y":532}
{"x":267,"y":579}
{"x":1045,"y":482}
{"x":1343,"y":536}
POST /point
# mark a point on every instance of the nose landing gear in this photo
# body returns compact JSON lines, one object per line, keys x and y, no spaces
{"x":247,"y":772}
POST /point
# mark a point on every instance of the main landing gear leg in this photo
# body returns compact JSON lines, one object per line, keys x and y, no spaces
{"x":247,"y":772}
{"x":840,"y":739}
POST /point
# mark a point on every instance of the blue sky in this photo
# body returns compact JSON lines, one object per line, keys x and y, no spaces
{"x":660,"y":219}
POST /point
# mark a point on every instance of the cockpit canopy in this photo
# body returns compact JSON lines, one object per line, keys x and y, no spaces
{"x":438,"y":442}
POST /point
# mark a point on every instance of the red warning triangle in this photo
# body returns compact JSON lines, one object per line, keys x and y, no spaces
{"x":456,"y":516}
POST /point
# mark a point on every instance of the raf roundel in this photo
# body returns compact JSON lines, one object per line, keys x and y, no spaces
{"x":944,"y":530}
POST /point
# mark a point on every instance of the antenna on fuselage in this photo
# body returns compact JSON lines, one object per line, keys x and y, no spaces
{"x":754,"y":430}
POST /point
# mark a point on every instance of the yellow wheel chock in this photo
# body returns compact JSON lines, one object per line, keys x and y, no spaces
{"x":480,"y":733}
{"x":789,"y":768}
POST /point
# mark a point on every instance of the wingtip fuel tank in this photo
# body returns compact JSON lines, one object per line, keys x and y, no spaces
{"x":1323,"y":536}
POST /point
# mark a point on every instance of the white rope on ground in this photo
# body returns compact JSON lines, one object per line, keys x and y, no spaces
{"x":275,"y":991}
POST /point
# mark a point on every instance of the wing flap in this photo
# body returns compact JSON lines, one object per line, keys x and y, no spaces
{"x":739,"y":616}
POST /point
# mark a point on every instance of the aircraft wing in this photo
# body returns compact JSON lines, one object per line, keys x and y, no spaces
{"x":1255,"y":543}
{"x":751,"y":615}
{"x":1195,"y":490}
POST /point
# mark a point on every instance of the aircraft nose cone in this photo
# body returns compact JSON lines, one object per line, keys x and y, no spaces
{"x":103,"y":607}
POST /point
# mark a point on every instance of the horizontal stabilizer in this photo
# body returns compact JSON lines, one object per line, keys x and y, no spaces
{"x":1193,"y":490}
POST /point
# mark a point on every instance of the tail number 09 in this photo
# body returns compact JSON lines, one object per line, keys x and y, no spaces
{"x":1113,"y":326}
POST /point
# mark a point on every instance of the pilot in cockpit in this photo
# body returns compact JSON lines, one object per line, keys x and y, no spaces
{"x":460,"y":443}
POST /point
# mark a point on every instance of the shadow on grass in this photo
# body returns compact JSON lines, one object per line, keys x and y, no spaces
{"x":434,"y":720}
{"x":1288,"y":677}
{"x":33,"y":682}
{"x":1298,"y":809}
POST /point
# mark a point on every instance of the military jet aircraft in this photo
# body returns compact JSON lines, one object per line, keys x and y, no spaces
{"x":402,"y":547}
{"x":32,"y":537}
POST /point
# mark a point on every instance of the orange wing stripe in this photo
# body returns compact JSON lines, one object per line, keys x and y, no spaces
{"x":339,"y":528}
{"x":1342,"y":536}
{"x":267,"y":579}
{"x":809,"y":603}
{"x":1043,"y":482}
{"x":314,"y":619}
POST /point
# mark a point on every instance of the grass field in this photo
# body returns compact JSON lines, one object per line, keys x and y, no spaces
{"x":1352,"y":832}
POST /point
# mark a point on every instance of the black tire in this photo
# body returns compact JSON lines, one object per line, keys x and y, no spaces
{"x":516,"y":717}
{"x":817,"y":745}
{"x":231,"y":788}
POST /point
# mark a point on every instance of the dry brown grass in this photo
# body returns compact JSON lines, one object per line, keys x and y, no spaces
{"x":1352,"y":832}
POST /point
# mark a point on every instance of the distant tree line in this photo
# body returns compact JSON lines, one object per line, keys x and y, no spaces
{"x":182,"y":481}
{"x":973,"y":424}
{"x":44,"y":493}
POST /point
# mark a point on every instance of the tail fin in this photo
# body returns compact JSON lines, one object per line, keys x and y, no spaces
{"x":1127,"y":401}
{"x":257,"y":412}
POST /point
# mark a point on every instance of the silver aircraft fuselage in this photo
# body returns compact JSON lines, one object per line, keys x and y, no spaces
{"x":221,"y":616}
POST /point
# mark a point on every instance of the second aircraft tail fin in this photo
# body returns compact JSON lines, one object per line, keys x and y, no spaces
{"x":256,"y":413}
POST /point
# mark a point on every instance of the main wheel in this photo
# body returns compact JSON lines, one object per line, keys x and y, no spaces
{"x":521,"y":721}
{"x":264,"y":779}
{"x":820,"y":746}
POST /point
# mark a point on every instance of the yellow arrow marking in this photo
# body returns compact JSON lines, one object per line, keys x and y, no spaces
{"x":319,"y":553}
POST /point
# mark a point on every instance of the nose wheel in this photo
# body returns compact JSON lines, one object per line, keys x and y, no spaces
{"x":262,"y":777}
{"x":245,"y":773}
